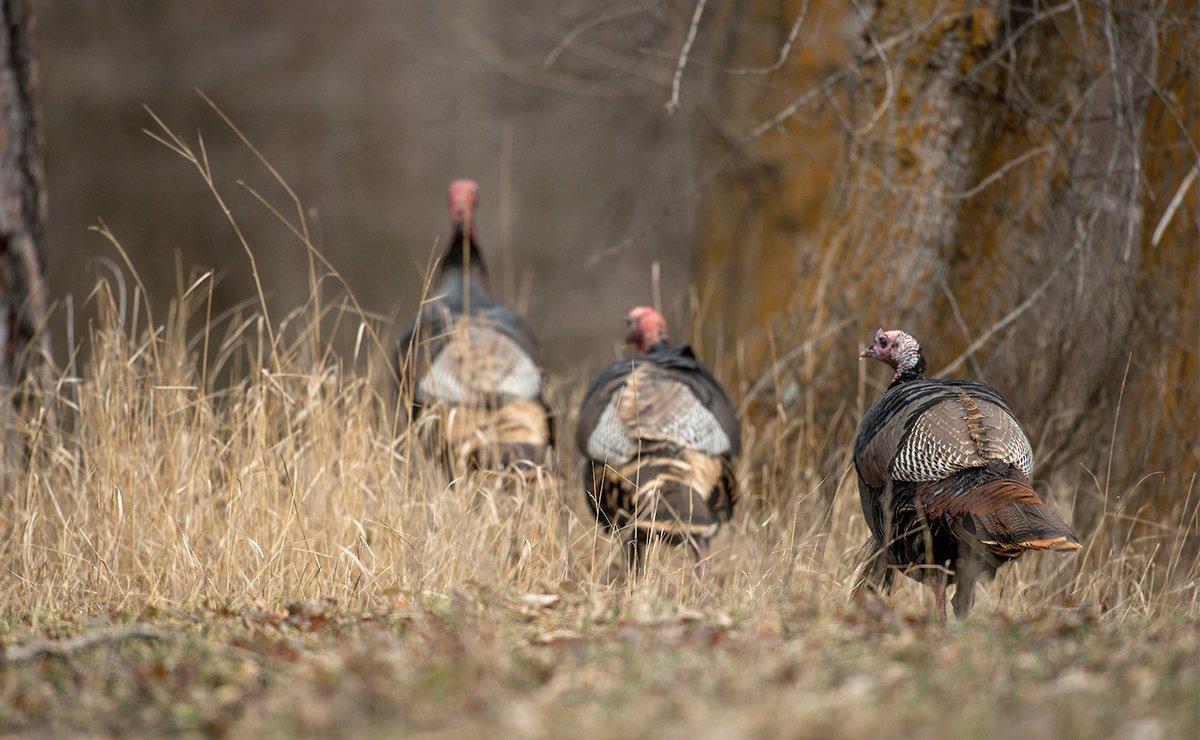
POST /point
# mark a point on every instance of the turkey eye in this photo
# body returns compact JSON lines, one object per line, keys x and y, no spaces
{"x":882,"y":341}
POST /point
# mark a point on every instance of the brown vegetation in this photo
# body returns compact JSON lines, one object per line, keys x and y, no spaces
{"x":167,"y":495}
{"x":1016,"y":187}
{"x":241,"y":486}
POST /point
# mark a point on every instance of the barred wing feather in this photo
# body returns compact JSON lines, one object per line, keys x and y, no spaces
{"x":653,"y":403}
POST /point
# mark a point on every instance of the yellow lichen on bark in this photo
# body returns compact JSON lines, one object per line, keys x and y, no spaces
{"x":971,"y":179}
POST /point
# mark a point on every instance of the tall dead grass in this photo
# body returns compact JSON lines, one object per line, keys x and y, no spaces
{"x":214,"y":461}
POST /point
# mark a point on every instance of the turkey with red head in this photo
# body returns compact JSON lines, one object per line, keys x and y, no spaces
{"x":660,"y":436}
{"x":943,"y":475}
{"x":474,"y":363}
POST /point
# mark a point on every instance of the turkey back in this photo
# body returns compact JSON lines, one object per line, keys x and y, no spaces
{"x":660,"y":435}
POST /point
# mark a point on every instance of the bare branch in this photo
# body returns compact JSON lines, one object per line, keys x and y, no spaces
{"x":588,"y":25}
{"x":797,"y":103}
{"x":536,"y":76}
{"x":829,"y":80}
{"x":769,"y":375}
{"x":1004,"y":321}
{"x":890,"y":90}
{"x":1173,"y":206}
{"x":673,"y":103}
{"x":783,"y":51}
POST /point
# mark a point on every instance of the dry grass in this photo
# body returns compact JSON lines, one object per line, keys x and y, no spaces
{"x":256,"y":495}
{"x":148,"y":487}
{"x":152,"y":495}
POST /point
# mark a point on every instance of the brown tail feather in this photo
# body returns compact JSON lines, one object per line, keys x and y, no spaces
{"x":515,"y":433}
{"x":1009,"y":517}
{"x":988,"y":496}
{"x":669,"y":492}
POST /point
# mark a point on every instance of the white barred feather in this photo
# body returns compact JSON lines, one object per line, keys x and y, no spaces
{"x":479,"y":363}
{"x":666,"y":410}
{"x":940,"y":444}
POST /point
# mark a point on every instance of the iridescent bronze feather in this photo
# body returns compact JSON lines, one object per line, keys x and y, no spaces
{"x":943,"y":470}
{"x":660,"y":435}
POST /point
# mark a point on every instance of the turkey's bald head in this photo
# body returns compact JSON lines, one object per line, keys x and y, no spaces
{"x":899,"y":350}
{"x":462,"y":196}
{"x":463,"y":248}
{"x":647,"y":329}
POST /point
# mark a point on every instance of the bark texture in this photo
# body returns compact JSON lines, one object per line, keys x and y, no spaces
{"x":1003,"y":167}
{"x":23,"y":307}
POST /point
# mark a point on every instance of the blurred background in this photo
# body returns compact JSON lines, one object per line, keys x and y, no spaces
{"x":1012,"y":182}
{"x":369,"y":109}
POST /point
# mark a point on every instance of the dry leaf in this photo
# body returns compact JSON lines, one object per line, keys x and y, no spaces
{"x":540,"y":601}
{"x":556,"y":637}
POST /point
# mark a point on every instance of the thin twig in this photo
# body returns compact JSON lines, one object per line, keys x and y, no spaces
{"x":588,"y":25}
{"x":958,"y":317}
{"x":1112,"y":440}
{"x":1173,"y":206}
{"x":769,"y":374}
{"x":673,"y":103}
{"x":890,"y":90}
{"x":783,"y":51}
{"x":739,"y":147}
{"x":997,"y":174}
{"x":1007,"y":319}
{"x":797,"y":103}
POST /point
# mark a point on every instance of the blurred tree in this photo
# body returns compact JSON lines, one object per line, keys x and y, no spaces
{"x":1013,"y":185}
{"x":769,"y":199}
{"x":22,"y":200}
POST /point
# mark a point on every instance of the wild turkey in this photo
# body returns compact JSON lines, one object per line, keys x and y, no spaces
{"x":474,"y":362}
{"x":660,"y":436}
{"x":943,"y":475}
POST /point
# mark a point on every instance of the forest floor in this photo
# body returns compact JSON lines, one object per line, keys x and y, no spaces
{"x":480,"y":664}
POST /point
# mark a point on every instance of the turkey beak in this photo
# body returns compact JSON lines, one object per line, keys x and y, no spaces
{"x":869,"y":352}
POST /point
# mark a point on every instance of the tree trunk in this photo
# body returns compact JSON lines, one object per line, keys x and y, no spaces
{"x":23,"y":340}
{"x":1004,"y":168}
{"x":1096,"y":225}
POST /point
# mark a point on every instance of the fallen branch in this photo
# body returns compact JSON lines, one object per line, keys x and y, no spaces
{"x":93,"y":638}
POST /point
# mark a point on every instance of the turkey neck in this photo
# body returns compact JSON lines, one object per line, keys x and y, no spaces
{"x":464,"y":274}
{"x":916,"y":372}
